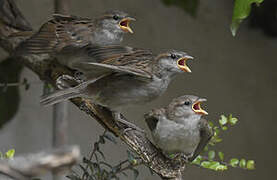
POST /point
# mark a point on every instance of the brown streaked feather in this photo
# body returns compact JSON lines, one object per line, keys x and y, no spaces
{"x":119,"y":59}
{"x":206,"y":133}
{"x":57,"y":33}
{"x":120,"y":55}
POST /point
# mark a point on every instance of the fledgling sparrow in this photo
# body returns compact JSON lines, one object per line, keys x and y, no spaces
{"x":64,"y":31}
{"x":120,"y":76}
{"x":179,"y":127}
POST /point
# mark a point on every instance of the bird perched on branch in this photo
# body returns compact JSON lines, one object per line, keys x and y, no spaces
{"x":121,"y":76}
{"x":179,"y":127}
{"x":72,"y":31}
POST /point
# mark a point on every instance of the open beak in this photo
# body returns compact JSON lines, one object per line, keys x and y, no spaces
{"x":196,"y":107}
{"x":182,"y":63}
{"x":124,"y":24}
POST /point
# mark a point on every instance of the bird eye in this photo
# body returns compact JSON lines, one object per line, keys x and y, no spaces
{"x":173,"y":56}
{"x":186,"y":103}
{"x":115,"y":17}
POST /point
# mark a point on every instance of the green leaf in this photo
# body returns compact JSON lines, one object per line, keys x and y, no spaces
{"x":211,"y":155}
{"x":224,"y":128}
{"x":197,"y":160}
{"x":211,"y":124}
{"x":171,"y":156}
{"x":250,"y":165}
{"x":206,"y":164}
{"x":10,"y":153}
{"x":223,"y":120}
{"x":241,"y":11}
{"x":242,"y":163}
{"x":234,"y":162}
{"x":190,"y":6}
{"x":232,"y":120}
{"x":221,"y":167}
{"x":221,"y":155}
{"x":214,"y":165}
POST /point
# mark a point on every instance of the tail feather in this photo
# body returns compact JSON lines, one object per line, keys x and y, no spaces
{"x":69,"y":93}
{"x":59,"y":96}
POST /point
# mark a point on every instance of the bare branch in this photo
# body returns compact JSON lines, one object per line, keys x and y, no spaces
{"x":49,"y":70}
{"x":33,"y":165}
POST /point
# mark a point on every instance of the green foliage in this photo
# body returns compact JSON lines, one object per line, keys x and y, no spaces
{"x":250,"y":165}
{"x":215,"y":160}
{"x":8,"y":155}
{"x":221,"y":156}
{"x":234,"y":162}
{"x":190,"y":6}
{"x":241,"y":11}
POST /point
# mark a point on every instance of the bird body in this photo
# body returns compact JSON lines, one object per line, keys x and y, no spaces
{"x":174,"y":137}
{"x":63,"y":31}
{"x":179,"y":127}
{"x":116,"y":92}
{"x":132,"y":75}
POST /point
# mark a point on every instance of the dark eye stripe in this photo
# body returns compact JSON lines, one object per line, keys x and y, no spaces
{"x":187,"y":103}
{"x":115,"y":17}
{"x":173,"y":56}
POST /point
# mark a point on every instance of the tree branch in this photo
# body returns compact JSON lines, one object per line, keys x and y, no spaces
{"x":49,"y":70}
{"x":33,"y":165}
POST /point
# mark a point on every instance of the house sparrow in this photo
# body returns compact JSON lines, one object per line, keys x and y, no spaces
{"x":70,"y":31}
{"x":119,"y":76}
{"x":179,"y":127}
{"x":122,"y":76}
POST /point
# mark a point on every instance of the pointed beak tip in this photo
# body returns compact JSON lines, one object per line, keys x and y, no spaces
{"x":189,"y":57}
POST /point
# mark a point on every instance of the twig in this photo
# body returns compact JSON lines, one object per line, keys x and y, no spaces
{"x":33,"y":165}
{"x":92,"y":153}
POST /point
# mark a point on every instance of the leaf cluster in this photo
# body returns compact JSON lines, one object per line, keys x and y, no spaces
{"x":215,"y":160}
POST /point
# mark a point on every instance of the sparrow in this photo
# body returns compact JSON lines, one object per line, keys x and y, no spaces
{"x":63,"y":31}
{"x":179,"y":127}
{"x":119,"y":76}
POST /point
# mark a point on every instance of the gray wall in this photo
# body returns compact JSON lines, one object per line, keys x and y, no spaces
{"x":237,"y":76}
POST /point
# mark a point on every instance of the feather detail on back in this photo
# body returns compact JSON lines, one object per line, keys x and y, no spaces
{"x":57,"y":33}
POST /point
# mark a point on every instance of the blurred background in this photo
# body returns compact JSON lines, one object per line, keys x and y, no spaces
{"x":236,"y":74}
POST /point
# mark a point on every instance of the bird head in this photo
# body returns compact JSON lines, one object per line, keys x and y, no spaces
{"x":186,"y":106}
{"x":173,"y":62}
{"x":117,"y":22}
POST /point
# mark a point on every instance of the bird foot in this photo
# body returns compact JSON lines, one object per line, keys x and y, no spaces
{"x":130,"y":126}
{"x":66,"y":81}
{"x":79,"y":76}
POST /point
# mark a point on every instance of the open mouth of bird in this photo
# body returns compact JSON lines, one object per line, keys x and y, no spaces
{"x":196,"y":107}
{"x":124,"y":24}
{"x":182,"y":63}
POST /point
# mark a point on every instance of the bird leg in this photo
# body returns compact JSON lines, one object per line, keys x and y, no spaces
{"x":66,"y":81}
{"x":79,"y":76}
{"x":130,"y":126}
